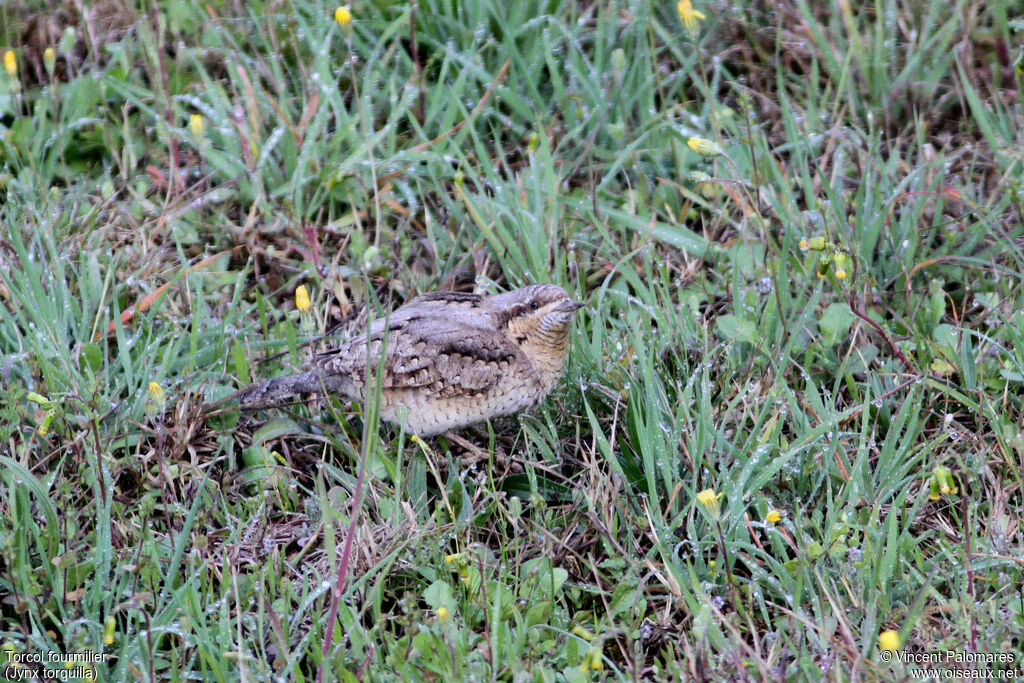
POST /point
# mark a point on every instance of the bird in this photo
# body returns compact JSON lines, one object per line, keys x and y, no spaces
{"x":450,"y":359}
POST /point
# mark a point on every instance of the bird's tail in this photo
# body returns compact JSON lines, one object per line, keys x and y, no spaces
{"x":277,"y":390}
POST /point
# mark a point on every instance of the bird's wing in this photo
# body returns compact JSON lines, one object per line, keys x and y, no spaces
{"x":447,"y":351}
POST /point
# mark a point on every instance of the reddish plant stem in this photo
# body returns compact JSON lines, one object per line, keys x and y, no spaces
{"x":878,"y":328}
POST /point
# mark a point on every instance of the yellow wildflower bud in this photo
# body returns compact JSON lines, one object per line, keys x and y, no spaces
{"x":583,"y":633}
{"x":889,"y":640}
{"x":43,"y":402}
{"x":690,"y":17}
{"x":302,"y":298}
{"x":823,"y":266}
{"x":839,"y":259}
{"x":709,"y":500}
{"x":156,"y":392}
{"x":813,"y":243}
{"x":443,"y":615}
{"x":48,"y":419}
{"x":773,"y":516}
{"x":157,"y":397}
{"x":109,"y":625}
{"x":11,"y":63}
{"x":942,"y":482}
{"x":196,"y":126}
{"x":703,"y":147}
{"x":343,"y":15}
{"x":50,"y":60}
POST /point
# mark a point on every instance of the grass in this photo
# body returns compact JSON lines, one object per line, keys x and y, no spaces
{"x":820,"y":321}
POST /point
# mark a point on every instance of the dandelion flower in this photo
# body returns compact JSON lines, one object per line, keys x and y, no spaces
{"x":690,"y":17}
{"x":343,"y":15}
{"x":703,"y":147}
{"x":709,"y":500}
{"x":302,"y":298}
{"x":196,"y":125}
{"x":889,"y":640}
{"x":11,"y":63}
{"x":156,"y":392}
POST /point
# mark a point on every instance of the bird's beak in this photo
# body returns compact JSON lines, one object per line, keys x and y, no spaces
{"x":568,"y":306}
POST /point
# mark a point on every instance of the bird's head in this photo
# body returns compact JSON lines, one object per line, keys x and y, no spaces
{"x":537,"y":319}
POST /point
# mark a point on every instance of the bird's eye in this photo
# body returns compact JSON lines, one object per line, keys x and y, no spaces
{"x":533,"y":304}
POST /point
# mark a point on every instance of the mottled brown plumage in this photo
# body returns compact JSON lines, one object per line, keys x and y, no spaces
{"x":450,"y":359}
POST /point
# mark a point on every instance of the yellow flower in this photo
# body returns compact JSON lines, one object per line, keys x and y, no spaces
{"x":302,"y":298}
{"x":49,"y":60}
{"x":942,"y":482}
{"x":889,"y":640}
{"x":840,"y":262}
{"x":11,"y":63}
{"x":196,"y":125}
{"x":343,"y":15}
{"x":443,"y":615}
{"x":813,"y":243}
{"x":156,"y":398}
{"x":823,"y":265}
{"x":156,"y":392}
{"x":773,"y":516}
{"x":690,"y":17}
{"x":592,"y":660}
{"x":48,"y":418}
{"x":710,"y":501}
{"x":705,"y":148}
